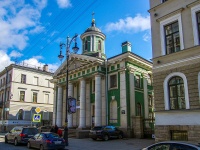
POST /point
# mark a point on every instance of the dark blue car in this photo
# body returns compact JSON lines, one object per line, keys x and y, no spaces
{"x":46,"y":140}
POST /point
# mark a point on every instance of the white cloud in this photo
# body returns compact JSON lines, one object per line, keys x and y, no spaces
{"x":15,"y":21}
{"x":136,"y":24}
{"x":15,"y":54}
{"x":64,"y":3}
{"x":34,"y":63}
{"x":5,"y":60}
{"x":41,"y":4}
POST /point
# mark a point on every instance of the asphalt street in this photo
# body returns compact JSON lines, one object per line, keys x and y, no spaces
{"x":89,"y":144}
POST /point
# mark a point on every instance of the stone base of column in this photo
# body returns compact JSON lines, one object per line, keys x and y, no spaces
{"x":82,"y":133}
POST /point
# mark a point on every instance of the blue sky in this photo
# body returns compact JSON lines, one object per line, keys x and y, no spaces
{"x":31,"y":30}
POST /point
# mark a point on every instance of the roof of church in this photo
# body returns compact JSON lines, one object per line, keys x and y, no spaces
{"x":93,"y":27}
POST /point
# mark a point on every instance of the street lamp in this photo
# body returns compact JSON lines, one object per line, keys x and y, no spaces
{"x":60,"y":56}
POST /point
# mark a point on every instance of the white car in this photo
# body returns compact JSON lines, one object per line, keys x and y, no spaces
{"x":172,"y":145}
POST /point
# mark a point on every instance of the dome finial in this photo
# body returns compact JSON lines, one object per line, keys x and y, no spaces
{"x":93,"y":20}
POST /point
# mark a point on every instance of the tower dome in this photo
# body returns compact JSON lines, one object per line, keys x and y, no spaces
{"x":93,"y":41}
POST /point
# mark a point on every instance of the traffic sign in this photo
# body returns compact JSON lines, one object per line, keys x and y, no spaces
{"x":38,"y":110}
{"x":36,"y":117}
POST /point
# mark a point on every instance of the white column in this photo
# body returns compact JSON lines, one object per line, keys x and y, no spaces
{"x":70,"y":93}
{"x":54,"y":107}
{"x":91,"y":44}
{"x":103,"y":99}
{"x":98,"y":102}
{"x":59,"y":107}
{"x":132,"y":93}
{"x":123,"y":100}
{"x":146,"y":105}
{"x":88,"y":105}
{"x":82,"y":123}
{"x":94,"y":42}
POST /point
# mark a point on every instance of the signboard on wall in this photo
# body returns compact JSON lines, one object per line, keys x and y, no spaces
{"x":71,"y":105}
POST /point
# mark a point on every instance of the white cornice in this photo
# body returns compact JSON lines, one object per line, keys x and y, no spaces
{"x":178,"y":63}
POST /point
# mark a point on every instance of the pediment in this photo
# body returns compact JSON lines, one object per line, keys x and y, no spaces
{"x":77,"y":62}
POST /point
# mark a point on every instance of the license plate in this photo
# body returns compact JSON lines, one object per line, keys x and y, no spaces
{"x":57,"y":142}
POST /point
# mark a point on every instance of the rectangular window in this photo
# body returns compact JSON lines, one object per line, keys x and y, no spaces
{"x":35,"y":80}
{"x":172,"y":38}
{"x":93,"y":86}
{"x":137,"y":81}
{"x":4,"y":81}
{"x":22,"y":96}
{"x":179,"y":135}
{"x":23,"y":78}
{"x":113,"y":81}
{"x":34,"y":97}
{"x":46,"y":98}
{"x":47,"y":82}
{"x":9,"y":78}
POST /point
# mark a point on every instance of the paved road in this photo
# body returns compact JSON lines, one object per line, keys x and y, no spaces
{"x":89,"y":144}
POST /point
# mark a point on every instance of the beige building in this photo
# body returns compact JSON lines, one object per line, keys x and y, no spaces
{"x":22,"y":90}
{"x":176,"y":68}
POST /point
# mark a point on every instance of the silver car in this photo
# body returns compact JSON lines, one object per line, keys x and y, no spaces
{"x":172,"y":145}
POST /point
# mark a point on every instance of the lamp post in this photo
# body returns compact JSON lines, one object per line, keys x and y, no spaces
{"x":60,"y":56}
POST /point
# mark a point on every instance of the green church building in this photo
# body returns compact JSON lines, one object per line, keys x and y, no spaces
{"x":108,"y":91}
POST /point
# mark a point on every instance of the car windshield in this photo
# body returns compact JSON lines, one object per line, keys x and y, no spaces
{"x":30,"y":131}
{"x":98,"y":128}
{"x":51,"y":135}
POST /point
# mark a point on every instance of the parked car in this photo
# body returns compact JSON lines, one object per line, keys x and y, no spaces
{"x":105,"y":133}
{"x":172,"y":145}
{"x":44,"y":128}
{"x":20,"y":134}
{"x":46,"y":140}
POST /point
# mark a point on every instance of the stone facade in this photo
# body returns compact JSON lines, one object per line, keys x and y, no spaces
{"x":177,"y":107}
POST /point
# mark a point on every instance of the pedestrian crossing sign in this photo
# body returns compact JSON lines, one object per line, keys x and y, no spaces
{"x":36,"y":117}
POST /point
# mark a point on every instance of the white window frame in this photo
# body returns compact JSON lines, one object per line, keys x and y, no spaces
{"x":109,"y":81}
{"x":166,"y":90}
{"x":194,"y":10}
{"x":37,"y":96}
{"x":169,"y":20}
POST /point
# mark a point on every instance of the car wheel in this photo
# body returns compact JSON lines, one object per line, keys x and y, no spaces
{"x":94,"y":139}
{"x":105,"y":137}
{"x":41,"y":147}
{"x":6,"y":140}
{"x":120,"y":136}
{"x":15,"y":142}
{"x":29,"y":145}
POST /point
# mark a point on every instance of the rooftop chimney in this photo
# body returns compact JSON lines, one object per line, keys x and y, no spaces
{"x":126,"y":47}
{"x":45,"y":68}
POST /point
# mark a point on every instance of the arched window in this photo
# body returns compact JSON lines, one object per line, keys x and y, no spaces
{"x":182,"y":86}
{"x":20,"y":114}
{"x":86,"y":45}
{"x":99,"y":45}
{"x":139,"y":110}
{"x":176,"y":93}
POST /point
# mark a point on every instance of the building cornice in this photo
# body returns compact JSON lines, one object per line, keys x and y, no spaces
{"x":170,"y":14}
